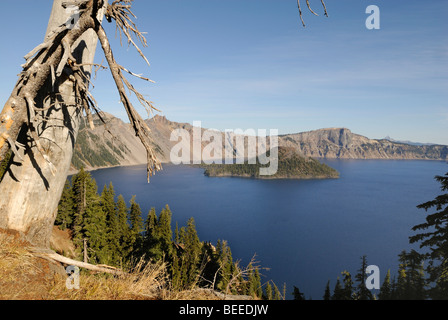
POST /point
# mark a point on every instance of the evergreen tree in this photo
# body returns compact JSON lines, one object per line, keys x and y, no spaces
{"x":113,"y":235}
{"x":158,"y":242}
{"x":436,"y":239}
{"x":176,"y":234}
{"x":190,"y":254}
{"x":386,"y":288}
{"x":393,"y":289}
{"x":362,"y":292}
{"x":338,"y":292}
{"x":401,"y":284}
{"x":86,"y":203}
{"x":122,"y":226}
{"x":95,"y":227}
{"x":151,"y":247}
{"x":268,"y":291}
{"x":277,"y":295}
{"x":297,"y":294}
{"x":135,"y":217}
{"x":225,"y":261}
{"x":412,"y":280}
{"x":135,"y":237}
{"x":327,"y":294}
{"x":176,"y":276}
{"x":254,"y":282}
{"x":210,"y":265}
{"x":165,"y":231}
{"x":347,"y":291}
{"x":64,"y":218}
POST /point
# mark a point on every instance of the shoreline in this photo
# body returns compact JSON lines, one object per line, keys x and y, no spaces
{"x":282,"y":177}
{"x":75,"y":171}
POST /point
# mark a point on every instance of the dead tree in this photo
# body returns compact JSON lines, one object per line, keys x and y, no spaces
{"x":40,"y":120}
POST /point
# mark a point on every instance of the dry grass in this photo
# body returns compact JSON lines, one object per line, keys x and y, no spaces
{"x":23,"y":276}
{"x":145,"y":282}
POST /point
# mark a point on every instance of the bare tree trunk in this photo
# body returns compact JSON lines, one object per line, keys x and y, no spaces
{"x":31,"y":189}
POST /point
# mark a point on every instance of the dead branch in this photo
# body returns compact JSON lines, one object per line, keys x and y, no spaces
{"x":141,"y":129}
{"x":51,"y":255}
{"x":241,"y":273}
{"x":120,"y":11}
{"x":136,"y":75}
{"x":311,"y":10}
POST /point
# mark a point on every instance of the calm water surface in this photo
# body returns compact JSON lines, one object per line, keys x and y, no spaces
{"x":305,"y":231}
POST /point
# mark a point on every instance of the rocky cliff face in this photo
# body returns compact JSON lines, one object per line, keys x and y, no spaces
{"x":115,"y":144}
{"x":342,"y":143}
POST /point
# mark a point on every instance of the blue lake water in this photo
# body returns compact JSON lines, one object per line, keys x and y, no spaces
{"x":306,"y":231}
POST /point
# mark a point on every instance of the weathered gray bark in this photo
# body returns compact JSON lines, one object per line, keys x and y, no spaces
{"x":30,"y":191}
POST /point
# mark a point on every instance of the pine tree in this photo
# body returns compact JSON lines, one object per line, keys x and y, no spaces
{"x":401,"y":284}
{"x":190,"y":256}
{"x":268,"y":291}
{"x":95,"y":227}
{"x":297,"y":294}
{"x":113,"y":236}
{"x":412,"y":283}
{"x":393,"y":289}
{"x":176,"y":276}
{"x":386,"y":288}
{"x":209,"y":265}
{"x":86,"y":204}
{"x":254,"y":281}
{"x":347,"y":291}
{"x":64,"y":218}
{"x":165,"y":232}
{"x":135,"y":238}
{"x":135,"y":217}
{"x":327,"y":294}
{"x":176,"y":234}
{"x":122,"y":226}
{"x":362,"y":292}
{"x":158,"y":239}
{"x":226,"y":265}
{"x":151,"y":247}
{"x":277,"y":295}
{"x":436,"y":239}
{"x":259,"y":290}
{"x":338,"y":292}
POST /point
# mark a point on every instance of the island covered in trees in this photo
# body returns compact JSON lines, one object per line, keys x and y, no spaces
{"x":291,"y":165}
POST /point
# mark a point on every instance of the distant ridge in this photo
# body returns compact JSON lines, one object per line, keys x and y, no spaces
{"x":409,"y":142}
{"x":116,"y":145}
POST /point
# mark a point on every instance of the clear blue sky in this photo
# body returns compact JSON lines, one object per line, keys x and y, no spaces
{"x":250,"y":64}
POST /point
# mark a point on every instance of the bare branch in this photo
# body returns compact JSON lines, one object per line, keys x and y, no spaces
{"x":120,"y":11}
{"x":325,"y":8}
{"x":51,"y":255}
{"x":311,"y":10}
{"x":300,"y":13}
{"x":309,"y":7}
{"x":136,"y":75}
{"x":141,"y":129}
